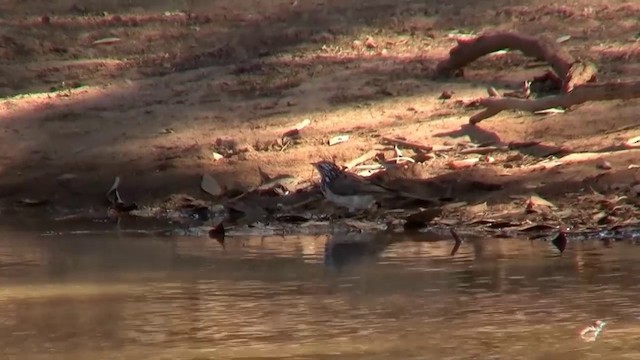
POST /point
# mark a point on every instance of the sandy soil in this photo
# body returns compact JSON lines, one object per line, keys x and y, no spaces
{"x":188,"y":76}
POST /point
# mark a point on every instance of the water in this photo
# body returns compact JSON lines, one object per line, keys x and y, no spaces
{"x":138,"y":297}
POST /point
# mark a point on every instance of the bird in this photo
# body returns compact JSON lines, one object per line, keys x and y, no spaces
{"x":348,"y":190}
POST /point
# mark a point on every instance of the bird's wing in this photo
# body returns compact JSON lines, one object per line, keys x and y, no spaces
{"x":350,"y":184}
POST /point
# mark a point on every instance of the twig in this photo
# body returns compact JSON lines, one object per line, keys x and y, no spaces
{"x":360,"y":159}
{"x":407,"y":144}
{"x":484,"y":150}
{"x":580,"y":95}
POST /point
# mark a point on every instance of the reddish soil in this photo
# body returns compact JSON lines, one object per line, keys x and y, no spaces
{"x":185,"y":76}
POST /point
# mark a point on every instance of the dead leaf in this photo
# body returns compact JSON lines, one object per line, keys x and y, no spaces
{"x":550,"y":111}
{"x":633,"y":143}
{"x":216,"y":156}
{"x":210,"y":185}
{"x":106,"y":41}
{"x":536,"y":228}
{"x":474,"y":210}
{"x":338,"y":139}
{"x":463,"y":164}
{"x":449,"y":222}
{"x":302,"y":124}
{"x":535,"y":200}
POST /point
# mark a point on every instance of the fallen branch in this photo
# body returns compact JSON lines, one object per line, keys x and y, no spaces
{"x":360,"y":159}
{"x":569,"y":75}
{"x":581,"y":94}
{"x":407,"y":144}
{"x":570,"y":71}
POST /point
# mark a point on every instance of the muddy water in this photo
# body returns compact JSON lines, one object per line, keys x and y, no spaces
{"x":138,"y":297}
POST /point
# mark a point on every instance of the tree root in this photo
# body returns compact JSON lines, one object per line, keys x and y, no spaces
{"x":572,"y":77}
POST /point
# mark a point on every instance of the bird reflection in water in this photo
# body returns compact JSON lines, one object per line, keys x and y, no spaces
{"x":342,"y":250}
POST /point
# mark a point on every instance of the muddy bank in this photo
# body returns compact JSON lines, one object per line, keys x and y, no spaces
{"x":161,"y":96}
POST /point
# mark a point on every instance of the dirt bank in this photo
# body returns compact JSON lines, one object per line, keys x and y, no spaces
{"x":170,"y":85}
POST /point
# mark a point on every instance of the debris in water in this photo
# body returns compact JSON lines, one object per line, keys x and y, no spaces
{"x":456,"y":246}
{"x":218,"y":234}
{"x":560,"y":241}
{"x":591,"y":332}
